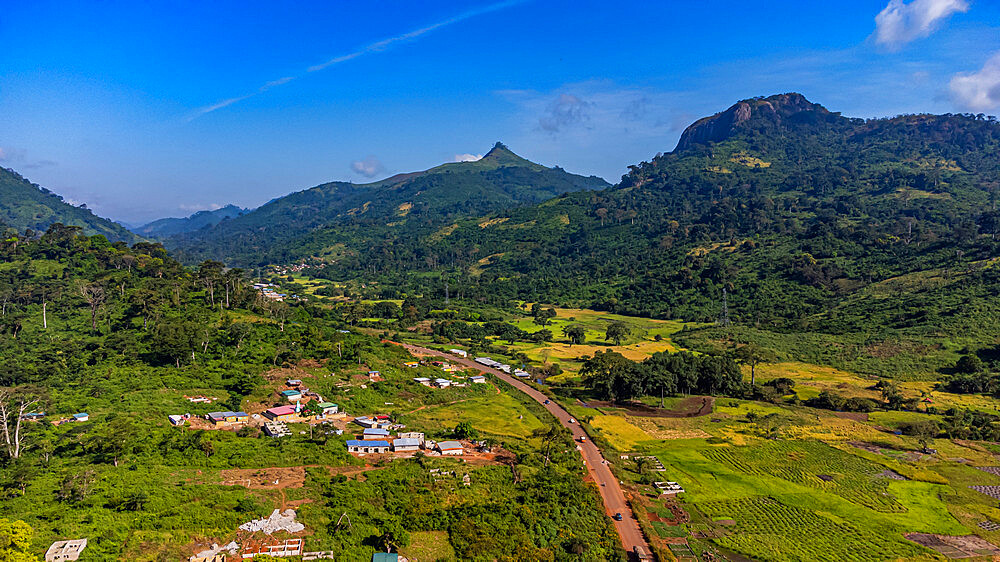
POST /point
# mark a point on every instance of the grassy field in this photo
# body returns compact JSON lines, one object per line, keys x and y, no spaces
{"x":498,"y":414}
{"x":429,"y":546}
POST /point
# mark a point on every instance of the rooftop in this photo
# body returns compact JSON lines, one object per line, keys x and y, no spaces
{"x":366,"y":443}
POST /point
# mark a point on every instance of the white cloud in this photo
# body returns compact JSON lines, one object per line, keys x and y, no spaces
{"x":369,"y":167}
{"x":899,"y":23}
{"x":978,"y":91}
{"x":195,"y":207}
{"x":467,"y":157}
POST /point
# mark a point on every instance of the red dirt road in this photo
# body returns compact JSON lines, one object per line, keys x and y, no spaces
{"x":611,"y":492}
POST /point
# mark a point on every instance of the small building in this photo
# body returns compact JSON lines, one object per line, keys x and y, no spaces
{"x":405,"y":445}
{"x":478,"y":379}
{"x":365,"y":421}
{"x":33,"y":416}
{"x":450,"y":448}
{"x":272,"y":547}
{"x":237,"y":417}
{"x":367,"y":446}
{"x":442,"y":383}
{"x":504,"y":367}
{"x":281,"y":413}
{"x":411,"y":364}
{"x":327,"y":408}
{"x":292,"y":395}
{"x":276,"y":429}
{"x":385,"y":557}
{"x":176,"y":419}
{"x":423,"y":380}
{"x":81,"y":417}
{"x":459,"y":352}
{"x":374,"y":374}
{"x":485,"y":361}
{"x":411,"y":435}
{"x":65,"y":550}
{"x":294,"y":383}
{"x":522,"y":374}
{"x":375,"y":432}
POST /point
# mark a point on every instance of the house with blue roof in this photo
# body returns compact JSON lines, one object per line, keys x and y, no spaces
{"x":367,"y":446}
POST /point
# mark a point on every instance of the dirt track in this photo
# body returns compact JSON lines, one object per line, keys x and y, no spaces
{"x":611,"y":492}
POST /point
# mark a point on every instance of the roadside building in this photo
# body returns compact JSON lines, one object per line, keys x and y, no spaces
{"x":65,"y":550}
{"x":327,"y":408}
{"x":522,"y":374}
{"x":478,"y":379}
{"x":281,"y":413}
{"x":459,"y":352}
{"x":450,"y":448}
{"x":411,"y":435}
{"x":367,"y":446}
{"x":405,"y":445}
{"x":375,"y":433}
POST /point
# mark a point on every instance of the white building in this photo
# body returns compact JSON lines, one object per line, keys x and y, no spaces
{"x":450,"y":448}
{"x":65,"y":550}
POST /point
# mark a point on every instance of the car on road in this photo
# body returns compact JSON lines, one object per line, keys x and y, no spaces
{"x":581,"y":439}
{"x":546,"y":402}
{"x":617,"y":517}
{"x":571,"y":420}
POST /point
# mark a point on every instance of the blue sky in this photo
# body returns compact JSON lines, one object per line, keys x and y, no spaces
{"x":144,"y":110}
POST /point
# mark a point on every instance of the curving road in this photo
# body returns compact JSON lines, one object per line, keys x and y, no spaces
{"x":611,"y":492}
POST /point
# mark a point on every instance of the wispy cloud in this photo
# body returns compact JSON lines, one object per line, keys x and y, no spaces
{"x":978,"y":91}
{"x":369,"y":167}
{"x":376,"y":47}
{"x":899,"y":23}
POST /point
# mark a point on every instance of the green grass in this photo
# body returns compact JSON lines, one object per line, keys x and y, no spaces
{"x":498,"y":414}
{"x":429,"y":546}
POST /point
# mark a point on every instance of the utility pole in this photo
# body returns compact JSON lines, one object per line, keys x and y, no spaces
{"x":724,"y":317}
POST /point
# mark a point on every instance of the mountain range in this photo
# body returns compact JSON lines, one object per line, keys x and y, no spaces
{"x":162,"y":228}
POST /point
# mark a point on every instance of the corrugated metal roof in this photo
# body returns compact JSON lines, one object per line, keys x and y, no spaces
{"x":449,"y":445}
{"x":366,"y":443}
{"x":405,"y":442}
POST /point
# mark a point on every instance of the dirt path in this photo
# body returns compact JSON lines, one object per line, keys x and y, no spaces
{"x":611,"y":492}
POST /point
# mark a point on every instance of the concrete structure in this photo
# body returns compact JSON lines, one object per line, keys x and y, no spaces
{"x":292,"y":395}
{"x":65,"y":550}
{"x":404,"y":445}
{"x":227,"y":417}
{"x":356,"y":446}
{"x":423,"y":380}
{"x":478,"y":379}
{"x":279,"y":549}
{"x":281,"y":413}
{"x":276,"y":429}
{"x":442,"y":383}
{"x":450,"y":448}
{"x":411,"y":435}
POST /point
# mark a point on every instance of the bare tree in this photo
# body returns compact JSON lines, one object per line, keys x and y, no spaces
{"x":13,"y":407}
{"x":95,"y":296}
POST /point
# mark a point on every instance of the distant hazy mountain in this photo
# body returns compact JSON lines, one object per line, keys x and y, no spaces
{"x":162,"y":228}
{"x":275,"y":231}
{"x":27,"y":205}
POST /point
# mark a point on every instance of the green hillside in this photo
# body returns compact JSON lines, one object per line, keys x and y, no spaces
{"x":804,"y":216}
{"x":283,"y":229}
{"x":25,"y":205}
{"x":162,"y":228}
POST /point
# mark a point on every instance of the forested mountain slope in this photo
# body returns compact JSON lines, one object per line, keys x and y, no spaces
{"x":276,"y":231}
{"x":810,"y":220}
{"x":162,"y":228}
{"x":25,"y":205}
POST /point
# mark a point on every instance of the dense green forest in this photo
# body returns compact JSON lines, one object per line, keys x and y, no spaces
{"x":275,"y":232}
{"x":810,"y":222}
{"x":124,"y":333}
{"x":25,"y":205}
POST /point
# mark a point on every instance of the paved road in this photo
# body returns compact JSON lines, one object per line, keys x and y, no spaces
{"x":611,"y":492}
